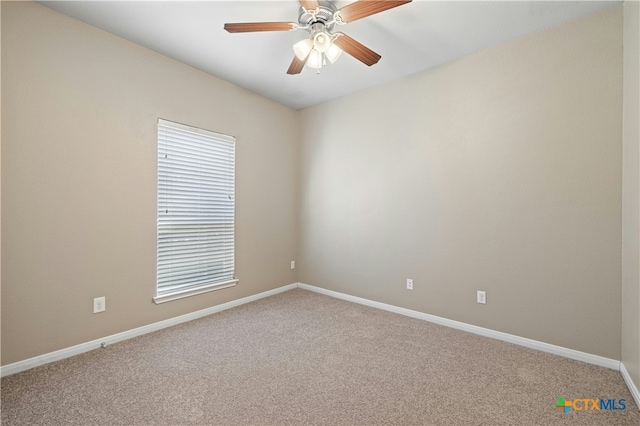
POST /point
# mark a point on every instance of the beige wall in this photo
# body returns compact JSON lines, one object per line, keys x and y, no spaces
{"x":630,"y":193}
{"x":499,"y":172}
{"x":79,"y":117}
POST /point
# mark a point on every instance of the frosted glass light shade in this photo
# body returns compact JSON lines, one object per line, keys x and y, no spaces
{"x":302,"y":48}
{"x":333,"y":53}
{"x":321,"y":42}
{"x":315,"y":59}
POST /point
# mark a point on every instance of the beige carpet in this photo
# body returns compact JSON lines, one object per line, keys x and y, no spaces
{"x":304,"y":358}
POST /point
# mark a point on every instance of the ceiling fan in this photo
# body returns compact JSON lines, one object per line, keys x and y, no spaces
{"x":319,"y":18}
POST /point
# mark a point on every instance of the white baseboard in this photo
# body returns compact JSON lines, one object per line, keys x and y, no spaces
{"x":27,"y":364}
{"x":632,"y":386}
{"x":505,"y":337}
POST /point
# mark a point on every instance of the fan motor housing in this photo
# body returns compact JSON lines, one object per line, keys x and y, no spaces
{"x":324,"y":15}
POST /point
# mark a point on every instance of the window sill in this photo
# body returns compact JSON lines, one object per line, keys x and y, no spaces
{"x":181,"y":294}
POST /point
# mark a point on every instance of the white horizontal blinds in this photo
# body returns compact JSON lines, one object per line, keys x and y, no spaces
{"x":196,"y":175}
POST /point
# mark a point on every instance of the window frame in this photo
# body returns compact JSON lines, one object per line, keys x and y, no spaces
{"x":227,"y":280}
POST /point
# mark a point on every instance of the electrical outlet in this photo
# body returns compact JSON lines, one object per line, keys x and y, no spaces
{"x":409,"y":284}
{"x":482,"y":297}
{"x":99,"y":304}
{"x":293,"y":264}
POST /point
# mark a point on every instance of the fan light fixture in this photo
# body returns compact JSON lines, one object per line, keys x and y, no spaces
{"x":314,"y":50}
{"x":303,"y":48}
{"x":315,"y":60}
{"x":319,"y":46}
{"x":333,"y":53}
{"x":321,"y":41}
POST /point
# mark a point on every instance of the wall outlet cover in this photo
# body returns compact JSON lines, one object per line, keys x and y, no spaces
{"x":99,"y":304}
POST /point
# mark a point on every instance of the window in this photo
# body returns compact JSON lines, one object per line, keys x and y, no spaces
{"x":196,"y":210}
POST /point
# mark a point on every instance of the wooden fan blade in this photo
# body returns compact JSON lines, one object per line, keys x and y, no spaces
{"x":364,"y":8}
{"x":296,"y":66}
{"x":357,"y":50}
{"x":309,"y":4}
{"x":248,"y":27}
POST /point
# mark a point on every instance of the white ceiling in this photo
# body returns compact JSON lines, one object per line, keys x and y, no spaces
{"x":411,"y":38}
